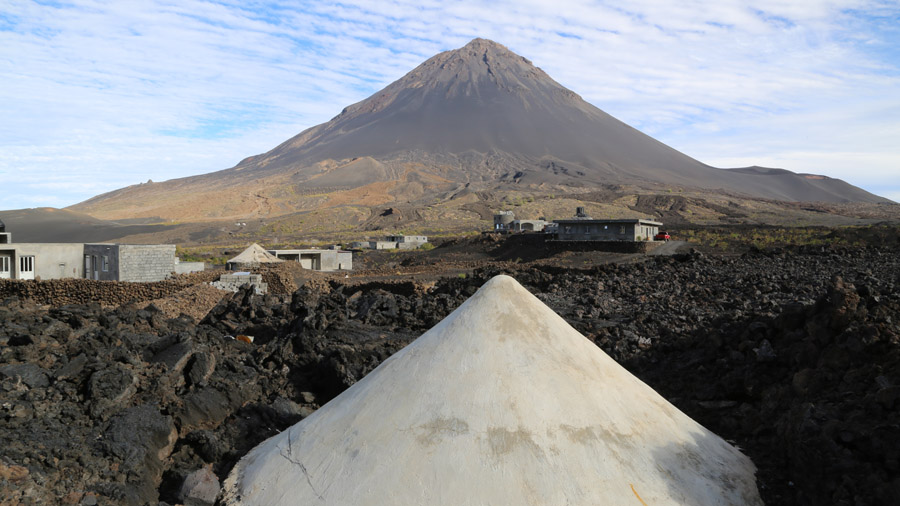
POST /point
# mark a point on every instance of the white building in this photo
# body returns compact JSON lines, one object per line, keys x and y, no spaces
{"x":317,"y":259}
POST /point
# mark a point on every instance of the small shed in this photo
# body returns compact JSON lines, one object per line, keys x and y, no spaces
{"x":253,"y":256}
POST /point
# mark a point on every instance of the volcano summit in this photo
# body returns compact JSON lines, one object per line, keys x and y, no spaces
{"x":478,"y":118}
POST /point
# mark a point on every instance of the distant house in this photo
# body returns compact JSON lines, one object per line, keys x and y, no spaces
{"x":317,"y":259}
{"x":408,"y":241}
{"x":393,"y":242}
{"x":606,"y":230}
{"x":527,"y":225}
{"x":112,"y":262}
{"x":41,"y":261}
{"x":505,"y":221}
{"x":129,"y":262}
{"x":584,"y":228}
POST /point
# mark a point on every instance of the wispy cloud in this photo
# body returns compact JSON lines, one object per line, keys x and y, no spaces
{"x":98,"y":95}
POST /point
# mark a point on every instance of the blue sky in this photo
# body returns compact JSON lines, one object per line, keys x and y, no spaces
{"x":96,"y":95}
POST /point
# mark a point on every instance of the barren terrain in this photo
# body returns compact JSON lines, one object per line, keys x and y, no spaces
{"x":468,"y":132}
{"x":791,"y":352}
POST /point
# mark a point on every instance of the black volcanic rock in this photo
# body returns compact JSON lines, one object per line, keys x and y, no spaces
{"x":792,"y":353}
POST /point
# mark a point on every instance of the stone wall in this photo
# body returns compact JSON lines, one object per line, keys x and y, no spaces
{"x":146,"y":262}
{"x":59,"y":292}
{"x":550,"y":246}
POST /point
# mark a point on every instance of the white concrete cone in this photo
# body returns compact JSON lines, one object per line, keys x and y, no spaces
{"x":502,"y":403}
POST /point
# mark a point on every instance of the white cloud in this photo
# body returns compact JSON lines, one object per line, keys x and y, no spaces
{"x":125,"y":92}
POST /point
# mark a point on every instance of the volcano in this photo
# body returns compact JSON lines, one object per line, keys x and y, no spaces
{"x":481,"y":118}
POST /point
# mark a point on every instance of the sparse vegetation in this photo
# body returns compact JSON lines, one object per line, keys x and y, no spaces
{"x":741,"y":238}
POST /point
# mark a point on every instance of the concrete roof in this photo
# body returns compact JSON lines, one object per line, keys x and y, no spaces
{"x":501,"y":403}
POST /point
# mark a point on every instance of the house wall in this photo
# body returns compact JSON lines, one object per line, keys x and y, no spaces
{"x":330,"y":260}
{"x":146,"y":262}
{"x":595,"y":232}
{"x":528,"y":225}
{"x":318,"y":259}
{"x":311,"y":261}
{"x":406,"y":241}
{"x":188,"y":267}
{"x":345,"y":260}
{"x":98,"y":251}
{"x":591,"y":230}
{"x":503,"y":219}
{"x":51,"y":260}
{"x":645,"y":232}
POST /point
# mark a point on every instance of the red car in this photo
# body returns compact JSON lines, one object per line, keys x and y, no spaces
{"x":662,"y":236}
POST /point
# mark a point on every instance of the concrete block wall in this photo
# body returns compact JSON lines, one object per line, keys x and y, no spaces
{"x":329,"y":261}
{"x":146,"y":262}
{"x":189,"y":267}
{"x":344,"y":260}
{"x":233,"y":282}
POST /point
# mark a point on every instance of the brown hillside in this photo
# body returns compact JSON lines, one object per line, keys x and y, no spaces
{"x":476,"y":119}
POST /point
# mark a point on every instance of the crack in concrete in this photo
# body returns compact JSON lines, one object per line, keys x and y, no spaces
{"x":290,"y":458}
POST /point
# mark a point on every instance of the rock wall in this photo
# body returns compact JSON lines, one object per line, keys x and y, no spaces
{"x":60,"y":292}
{"x":545,"y":245}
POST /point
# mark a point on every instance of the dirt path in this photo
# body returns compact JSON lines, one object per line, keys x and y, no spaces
{"x":670,"y":248}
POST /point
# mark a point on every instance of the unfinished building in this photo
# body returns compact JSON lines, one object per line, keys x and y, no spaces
{"x":317,"y":259}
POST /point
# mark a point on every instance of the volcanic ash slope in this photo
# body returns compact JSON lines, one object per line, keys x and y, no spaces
{"x":502,"y":403}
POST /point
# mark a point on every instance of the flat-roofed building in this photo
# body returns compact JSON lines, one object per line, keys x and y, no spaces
{"x":586,"y":229}
{"x":317,"y":259}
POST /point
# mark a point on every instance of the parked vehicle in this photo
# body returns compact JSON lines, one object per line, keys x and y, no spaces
{"x":662,"y":236}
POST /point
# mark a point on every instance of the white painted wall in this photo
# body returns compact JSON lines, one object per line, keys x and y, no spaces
{"x":52,"y":260}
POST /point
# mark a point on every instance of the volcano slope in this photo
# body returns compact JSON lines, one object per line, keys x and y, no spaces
{"x":791,"y":354}
{"x":472,"y":120}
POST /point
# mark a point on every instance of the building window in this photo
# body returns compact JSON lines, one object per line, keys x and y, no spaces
{"x":26,"y":264}
{"x":622,"y":229}
{"x":104,"y":263}
{"x":4,"y":264}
